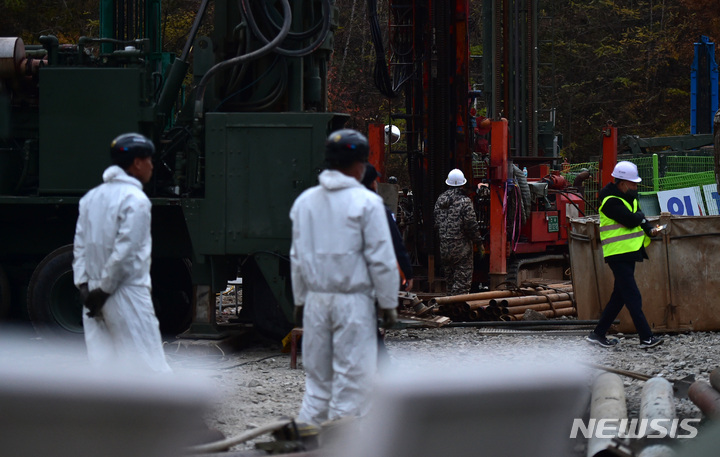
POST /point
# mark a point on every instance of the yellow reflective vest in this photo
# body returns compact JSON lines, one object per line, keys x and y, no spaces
{"x":615,"y":238}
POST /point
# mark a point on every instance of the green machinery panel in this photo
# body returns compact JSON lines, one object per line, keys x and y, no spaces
{"x":256,"y":164}
{"x":82,"y":110}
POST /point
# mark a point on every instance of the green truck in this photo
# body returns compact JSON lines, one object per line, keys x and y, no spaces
{"x":239,"y":120}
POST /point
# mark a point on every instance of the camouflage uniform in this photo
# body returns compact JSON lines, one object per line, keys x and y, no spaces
{"x":457,"y":226}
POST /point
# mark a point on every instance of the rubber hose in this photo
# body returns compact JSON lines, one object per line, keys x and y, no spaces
{"x":524,"y":190}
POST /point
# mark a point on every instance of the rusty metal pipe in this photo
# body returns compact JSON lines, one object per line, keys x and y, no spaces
{"x":572,"y":311}
{"x":715,"y":379}
{"x":567,"y":290}
{"x":563,"y":285}
{"x":475,"y":304}
{"x":539,"y":307}
{"x":480,"y":314}
{"x":705,"y":397}
{"x":524,"y":291}
{"x":477,"y":296}
{"x":590,"y":323}
{"x":514,"y":301}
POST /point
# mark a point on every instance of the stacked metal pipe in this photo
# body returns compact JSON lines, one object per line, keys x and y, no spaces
{"x":552,"y":300}
{"x":706,"y":395}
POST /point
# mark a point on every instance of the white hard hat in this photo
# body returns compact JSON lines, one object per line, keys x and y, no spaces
{"x":455,"y":178}
{"x":626,"y":171}
{"x":392,"y":134}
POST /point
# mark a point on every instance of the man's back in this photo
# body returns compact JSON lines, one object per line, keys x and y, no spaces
{"x":341,"y":238}
{"x":454,"y":216}
{"x":113,"y":243}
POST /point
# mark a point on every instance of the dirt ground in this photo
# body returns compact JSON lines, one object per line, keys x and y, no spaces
{"x":256,"y":385}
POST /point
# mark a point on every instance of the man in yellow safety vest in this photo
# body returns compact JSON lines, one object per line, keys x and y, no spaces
{"x":624,"y":234}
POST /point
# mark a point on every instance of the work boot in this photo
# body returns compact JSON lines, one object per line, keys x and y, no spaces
{"x":594,"y":338}
{"x":651,"y":342}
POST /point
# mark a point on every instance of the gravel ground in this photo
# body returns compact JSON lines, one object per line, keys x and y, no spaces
{"x":255,"y":384}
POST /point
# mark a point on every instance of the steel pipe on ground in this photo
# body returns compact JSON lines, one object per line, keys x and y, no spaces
{"x":607,"y":402}
{"x":563,"y":285}
{"x":476,"y":296}
{"x":715,"y":379}
{"x":657,"y":403}
{"x":474,"y":304}
{"x":569,"y":311}
{"x":538,"y":307}
{"x":486,"y":295}
{"x":533,"y":299}
{"x":705,"y":397}
{"x":479,"y":314}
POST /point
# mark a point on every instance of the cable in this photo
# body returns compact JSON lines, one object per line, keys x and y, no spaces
{"x":575,"y":204}
{"x":292,"y":35}
{"x":250,"y":361}
{"x":282,"y":82}
{"x":200,"y":90}
{"x":386,"y":86}
{"x":247,"y":10}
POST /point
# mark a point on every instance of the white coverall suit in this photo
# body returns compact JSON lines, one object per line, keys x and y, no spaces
{"x":112,"y":251}
{"x":342,"y":259}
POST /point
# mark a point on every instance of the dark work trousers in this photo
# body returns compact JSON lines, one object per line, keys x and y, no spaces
{"x":626,"y":293}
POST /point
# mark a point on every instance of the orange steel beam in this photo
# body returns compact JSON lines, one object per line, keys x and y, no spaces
{"x":499,"y":154}
{"x":376,"y":141}
{"x":609,"y":154}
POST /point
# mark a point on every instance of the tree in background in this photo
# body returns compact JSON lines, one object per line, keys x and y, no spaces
{"x":622,"y":60}
{"x":628,"y":61}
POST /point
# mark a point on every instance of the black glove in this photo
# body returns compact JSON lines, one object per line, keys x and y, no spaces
{"x":388,"y":317}
{"x":95,"y":301}
{"x":84,"y":291}
{"x":298,"y":316}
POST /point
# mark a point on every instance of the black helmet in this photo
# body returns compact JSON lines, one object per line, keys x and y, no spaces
{"x":127,"y":146}
{"x":346,"y":146}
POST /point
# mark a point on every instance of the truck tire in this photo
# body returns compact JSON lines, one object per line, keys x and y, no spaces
{"x":53,"y":301}
{"x":55,"y":309}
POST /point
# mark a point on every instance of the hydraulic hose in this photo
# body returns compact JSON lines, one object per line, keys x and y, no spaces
{"x":247,"y":10}
{"x":524,"y":190}
{"x":200,"y":91}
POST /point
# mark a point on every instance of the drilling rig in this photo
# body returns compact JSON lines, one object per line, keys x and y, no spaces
{"x":490,"y":124}
{"x":232,"y":154}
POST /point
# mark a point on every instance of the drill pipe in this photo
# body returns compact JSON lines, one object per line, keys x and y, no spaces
{"x":477,"y":296}
{"x":474,"y":304}
{"x":479,"y":314}
{"x":530,"y":300}
{"x":570,"y":311}
{"x":706,"y":398}
{"x":657,"y":402}
{"x":537,"y":307}
{"x":495,"y":294}
{"x":563,"y":285}
{"x":607,"y":402}
{"x":715,"y":379}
